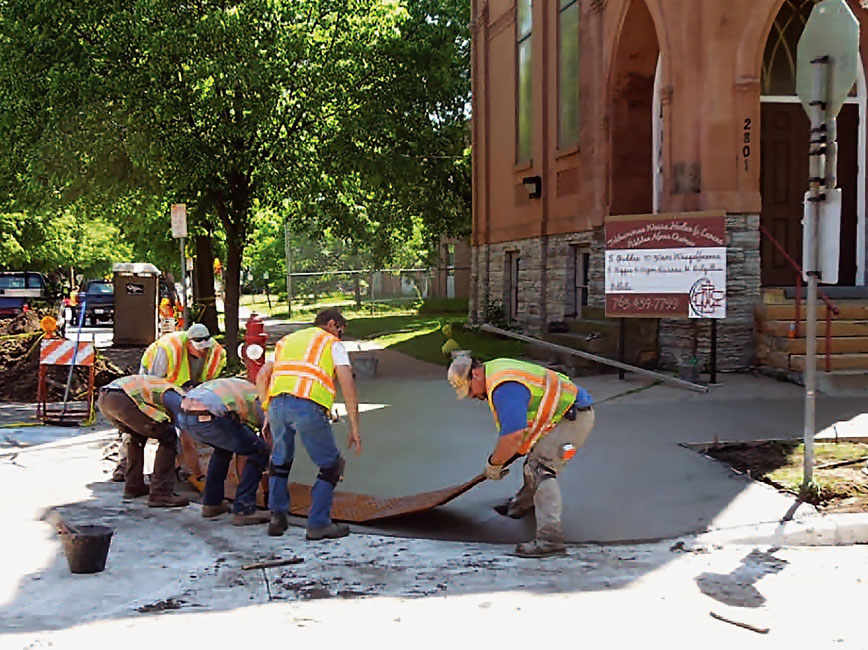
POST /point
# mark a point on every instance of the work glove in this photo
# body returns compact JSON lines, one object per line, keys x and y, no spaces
{"x":197,"y":482}
{"x":494,"y":472}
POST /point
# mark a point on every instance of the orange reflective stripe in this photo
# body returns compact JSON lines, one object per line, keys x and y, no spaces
{"x":545,"y":413}
{"x":304,"y":369}
{"x":514,"y":375}
{"x":214,"y":362}
{"x":175,"y":351}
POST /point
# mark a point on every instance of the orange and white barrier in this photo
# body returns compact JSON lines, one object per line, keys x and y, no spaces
{"x":60,"y":352}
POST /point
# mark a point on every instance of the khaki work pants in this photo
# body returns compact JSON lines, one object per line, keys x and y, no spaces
{"x":541,"y":466}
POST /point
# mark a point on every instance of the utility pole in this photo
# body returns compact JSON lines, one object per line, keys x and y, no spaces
{"x":288,"y":252}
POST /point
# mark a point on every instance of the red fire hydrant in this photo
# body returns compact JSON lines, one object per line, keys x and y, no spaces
{"x":253,"y":349}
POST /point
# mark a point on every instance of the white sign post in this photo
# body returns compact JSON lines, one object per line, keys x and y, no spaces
{"x":179,"y":231}
{"x":826,"y":67}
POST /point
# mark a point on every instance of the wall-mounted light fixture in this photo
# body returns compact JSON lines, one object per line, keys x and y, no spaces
{"x":533,"y":185}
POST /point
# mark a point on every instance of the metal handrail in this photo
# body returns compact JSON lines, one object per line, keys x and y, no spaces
{"x":831,"y":308}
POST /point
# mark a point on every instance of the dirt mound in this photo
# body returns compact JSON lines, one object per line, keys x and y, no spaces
{"x":19,"y":365}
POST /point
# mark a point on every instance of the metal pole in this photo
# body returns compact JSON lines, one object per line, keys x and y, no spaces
{"x":812,"y":264}
{"x":712,"y":379}
{"x":287,"y":252}
{"x":184,"y":283}
{"x":622,"y":345}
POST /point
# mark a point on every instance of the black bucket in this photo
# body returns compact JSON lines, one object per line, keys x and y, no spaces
{"x":87,"y":549}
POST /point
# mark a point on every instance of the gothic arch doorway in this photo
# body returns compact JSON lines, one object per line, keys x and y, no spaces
{"x":784,"y":162}
{"x":631,"y":97}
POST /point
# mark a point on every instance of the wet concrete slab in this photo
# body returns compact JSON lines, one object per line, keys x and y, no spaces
{"x":631,"y":481}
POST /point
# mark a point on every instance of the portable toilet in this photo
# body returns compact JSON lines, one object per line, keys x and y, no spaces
{"x":137,"y":296}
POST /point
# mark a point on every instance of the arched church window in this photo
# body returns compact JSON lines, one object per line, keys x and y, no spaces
{"x":779,"y":58}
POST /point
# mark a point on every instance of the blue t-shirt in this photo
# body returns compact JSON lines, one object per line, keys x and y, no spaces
{"x":511,"y":400}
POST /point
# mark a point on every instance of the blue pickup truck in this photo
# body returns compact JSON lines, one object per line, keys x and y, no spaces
{"x":21,"y":291}
{"x":98,"y":296}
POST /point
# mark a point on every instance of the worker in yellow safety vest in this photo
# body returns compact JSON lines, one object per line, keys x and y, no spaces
{"x":539,"y":414}
{"x":142,"y":407}
{"x":298,"y":389}
{"x":184,"y":358}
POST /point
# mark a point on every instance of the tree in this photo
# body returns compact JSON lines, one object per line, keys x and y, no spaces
{"x":294,"y":106}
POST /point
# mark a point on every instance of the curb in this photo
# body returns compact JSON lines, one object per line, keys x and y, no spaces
{"x":824,"y":530}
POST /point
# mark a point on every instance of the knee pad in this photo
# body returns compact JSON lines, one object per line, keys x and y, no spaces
{"x":333,"y":473}
{"x":280,"y":471}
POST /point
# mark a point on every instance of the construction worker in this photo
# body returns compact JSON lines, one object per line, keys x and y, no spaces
{"x":184,"y":358}
{"x":298,"y":389}
{"x":539,"y":414}
{"x":141,"y":407}
{"x":226,"y":414}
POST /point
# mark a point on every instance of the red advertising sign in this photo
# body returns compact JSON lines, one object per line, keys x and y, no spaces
{"x":666,"y":265}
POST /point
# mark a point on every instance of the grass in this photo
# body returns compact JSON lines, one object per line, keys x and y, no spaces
{"x":781,"y":464}
{"x":420,"y":337}
{"x":830,"y":483}
{"x":306,"y":311}
{"x":405,"y":326}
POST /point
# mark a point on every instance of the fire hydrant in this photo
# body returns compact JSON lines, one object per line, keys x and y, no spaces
{"x":253,"y":349}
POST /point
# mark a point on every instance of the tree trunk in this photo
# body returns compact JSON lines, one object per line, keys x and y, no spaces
{"x":203,"y":280}
{"x":232,"y":279}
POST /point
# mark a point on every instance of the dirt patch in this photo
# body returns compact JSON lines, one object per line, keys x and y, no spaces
{"x":19,"y":364}
{"x":839,"y":470}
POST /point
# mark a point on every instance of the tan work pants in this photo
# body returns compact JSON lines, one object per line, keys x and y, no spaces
{"x":541,"y":466}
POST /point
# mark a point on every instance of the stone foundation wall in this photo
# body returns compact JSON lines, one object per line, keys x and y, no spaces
{"x":678,"y":339}
{"x":681,"y":339}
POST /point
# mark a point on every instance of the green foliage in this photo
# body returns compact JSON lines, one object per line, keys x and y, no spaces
{"x":346,"y":117}
{"x":38,"y":243}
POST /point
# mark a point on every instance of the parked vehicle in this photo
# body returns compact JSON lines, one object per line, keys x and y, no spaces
{"x":98,"y":297}
{"x":21,"y":291}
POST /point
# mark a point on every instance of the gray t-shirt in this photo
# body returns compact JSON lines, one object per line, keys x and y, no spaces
{"x":160,"y":366}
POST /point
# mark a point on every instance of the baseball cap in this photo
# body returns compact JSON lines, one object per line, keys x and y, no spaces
{"x":198,"y":333}
{"x":459,"y":375}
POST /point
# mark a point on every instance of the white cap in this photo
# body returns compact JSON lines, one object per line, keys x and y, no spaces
{"x":199,"y":331}
{"x":459,"y":375}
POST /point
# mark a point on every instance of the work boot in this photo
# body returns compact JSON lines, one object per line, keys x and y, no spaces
{"x":251,"y":519}
{"x":506,"y":510}
{"x":167,"y":501}
{"x":163,"y":480}
{"x":549,"y":541}
{"x":134,"y":472}
{"x":209,"y":512}
{"x":332,"y":531}
{"x":277,"y":524}
{"x":118,"y":474}
{"x":134,"y":493}
{"x":540,"y":548}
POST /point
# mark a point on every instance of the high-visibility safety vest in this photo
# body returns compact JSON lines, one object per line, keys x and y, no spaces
{"x":178,"y":362}
{"x":551,"y":395}
{"x":147,"y":393}
{"x":238,"y":395}
{"x":303,"y":366}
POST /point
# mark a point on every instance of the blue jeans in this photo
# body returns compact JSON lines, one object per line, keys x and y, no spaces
{"x":229,"y":436}
{"x":289,"y":415}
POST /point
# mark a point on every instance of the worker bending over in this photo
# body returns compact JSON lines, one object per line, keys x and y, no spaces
{"x":541,"y":415}
{"x":225,"y":414}
{"x":141,"y":407}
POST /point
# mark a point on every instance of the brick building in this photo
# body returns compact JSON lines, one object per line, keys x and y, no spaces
{"x":589,"y":108}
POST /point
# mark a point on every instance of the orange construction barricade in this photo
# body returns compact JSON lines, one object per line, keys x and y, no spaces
{"x":61,"y":352}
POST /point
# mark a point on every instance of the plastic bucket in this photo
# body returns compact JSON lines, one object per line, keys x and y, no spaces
{"x":87,"y":549}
